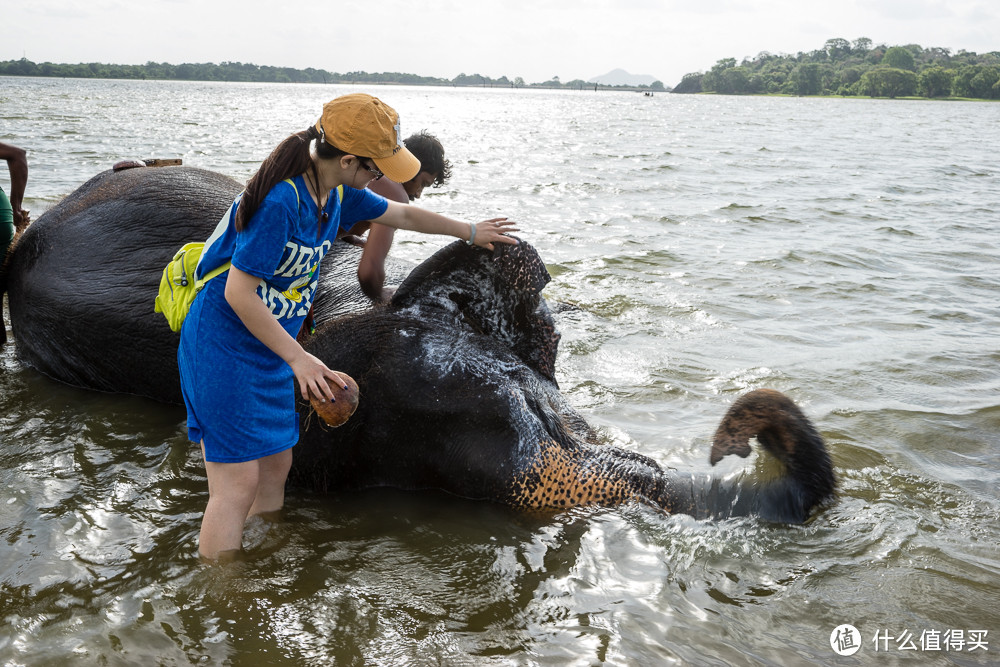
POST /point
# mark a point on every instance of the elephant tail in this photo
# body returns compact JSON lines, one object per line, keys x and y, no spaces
{"x":787,"y":435}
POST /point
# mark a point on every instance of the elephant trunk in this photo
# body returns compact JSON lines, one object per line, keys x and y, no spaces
{"x":786,"y":434}
{"x":566,"y":472}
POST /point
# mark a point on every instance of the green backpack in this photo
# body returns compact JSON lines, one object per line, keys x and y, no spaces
{"x":178,"y":285}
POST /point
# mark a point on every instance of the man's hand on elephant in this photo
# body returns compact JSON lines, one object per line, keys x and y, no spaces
{"x":385,"y":296}
{"x":22,"y":218}
{"x":353,"y":239}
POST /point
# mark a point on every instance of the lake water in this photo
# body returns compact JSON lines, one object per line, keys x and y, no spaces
{"x":842,"y":251}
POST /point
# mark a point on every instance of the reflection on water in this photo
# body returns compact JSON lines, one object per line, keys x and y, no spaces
{"x":838,"y":250}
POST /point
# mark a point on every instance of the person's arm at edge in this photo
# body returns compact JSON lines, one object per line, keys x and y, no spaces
{"x":17,"y":163}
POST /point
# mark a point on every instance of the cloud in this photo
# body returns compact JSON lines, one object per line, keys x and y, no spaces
{"x":911,"y":10}
{"x":535,"y":39}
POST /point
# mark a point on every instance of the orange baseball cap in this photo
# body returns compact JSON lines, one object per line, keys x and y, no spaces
{"x":365,"y":126}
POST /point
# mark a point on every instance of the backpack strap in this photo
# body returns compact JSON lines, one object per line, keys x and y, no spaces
{"x":340,"y":191}
{"x":214,"y":272}
{"x":298,"y":200}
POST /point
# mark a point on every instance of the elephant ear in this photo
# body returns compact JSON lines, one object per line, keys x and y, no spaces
{"x":496,"y":294}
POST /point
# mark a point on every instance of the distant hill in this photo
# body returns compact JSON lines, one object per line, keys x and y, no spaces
{"x":619,"y":77}
{"x":855,"y":69}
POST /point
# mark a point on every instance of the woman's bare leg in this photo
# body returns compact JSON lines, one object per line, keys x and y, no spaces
{"x":271,"y":485}
{"x":232,"y":488}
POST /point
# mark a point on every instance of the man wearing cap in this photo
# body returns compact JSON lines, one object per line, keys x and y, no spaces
{"x":434,"y":171}
{"x":238,"y":353}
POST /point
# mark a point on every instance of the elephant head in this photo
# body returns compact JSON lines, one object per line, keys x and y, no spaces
{"x":458,"y":392}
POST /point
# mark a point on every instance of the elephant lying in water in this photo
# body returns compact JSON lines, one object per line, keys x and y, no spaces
{"x":456,"y":373}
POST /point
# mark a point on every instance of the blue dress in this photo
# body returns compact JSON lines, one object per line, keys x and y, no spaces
{"x":239,"y":395}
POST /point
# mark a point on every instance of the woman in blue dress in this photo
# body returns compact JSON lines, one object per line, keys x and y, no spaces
{"x":238,"y":352}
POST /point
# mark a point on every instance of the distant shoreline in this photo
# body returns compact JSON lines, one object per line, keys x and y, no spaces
{"x":250,"y":73}
{"x":910,"y":98}
{"x":534,"y":86}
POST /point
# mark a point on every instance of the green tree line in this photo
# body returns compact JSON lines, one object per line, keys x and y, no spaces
{"x":857,"y":69}
{"x":235,"y":71}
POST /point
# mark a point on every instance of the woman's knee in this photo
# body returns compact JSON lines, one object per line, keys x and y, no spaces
{"x":276,"y":465}
{"x":233,"y":480}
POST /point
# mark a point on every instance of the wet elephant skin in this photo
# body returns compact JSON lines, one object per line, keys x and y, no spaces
{"x":456,"y":373}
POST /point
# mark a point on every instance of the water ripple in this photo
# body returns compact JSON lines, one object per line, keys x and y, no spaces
{"x":841,"y":251}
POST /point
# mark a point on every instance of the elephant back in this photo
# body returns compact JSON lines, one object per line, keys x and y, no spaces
{"x":82,"y":279}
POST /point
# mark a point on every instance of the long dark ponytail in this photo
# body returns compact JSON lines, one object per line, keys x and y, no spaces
{"x":290,"y":158}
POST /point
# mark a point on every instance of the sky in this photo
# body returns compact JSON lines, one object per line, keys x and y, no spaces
{"x":535,"y":40}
